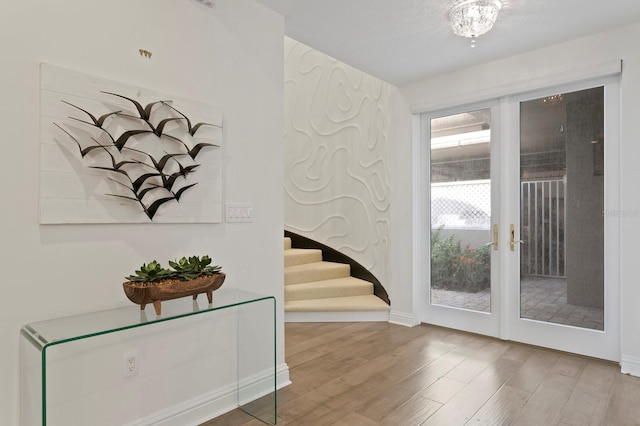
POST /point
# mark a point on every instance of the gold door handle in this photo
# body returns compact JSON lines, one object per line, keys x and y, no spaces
{"x":512,"y":239}
{"x":493,"y":243}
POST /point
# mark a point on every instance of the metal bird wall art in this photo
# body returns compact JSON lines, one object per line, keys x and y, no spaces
{"x":147,"y":154}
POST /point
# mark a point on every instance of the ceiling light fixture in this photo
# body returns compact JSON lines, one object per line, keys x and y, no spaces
{"x":553,"y":99}
{"x":473,"y":18}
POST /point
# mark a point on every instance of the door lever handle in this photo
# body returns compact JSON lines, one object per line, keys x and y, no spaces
{"x":493,"y":243}
{"x":512,"y":240}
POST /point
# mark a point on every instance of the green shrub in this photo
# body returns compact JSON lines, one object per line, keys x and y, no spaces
{"x":458,"y":268}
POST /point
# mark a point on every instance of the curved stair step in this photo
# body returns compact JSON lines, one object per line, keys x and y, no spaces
{"x":319,"y":291}
{"x":316,"y":271}
{"x":338,"y":287}
{"x":337,"y":304}
{"x":296,"y":256}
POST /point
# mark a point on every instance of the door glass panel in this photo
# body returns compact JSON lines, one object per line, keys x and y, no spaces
{"x":461,"y":211}
{"x":561,"y":209}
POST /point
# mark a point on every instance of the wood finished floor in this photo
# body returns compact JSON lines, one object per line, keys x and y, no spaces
{"x":366,"y":374}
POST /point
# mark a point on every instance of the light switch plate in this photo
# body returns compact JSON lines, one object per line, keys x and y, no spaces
{"x":239,"y":212}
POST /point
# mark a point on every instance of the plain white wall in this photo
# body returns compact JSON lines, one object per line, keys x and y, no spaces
{"x":402,"y":213}
{"x":231,"y":57}
{"x":490,"y":79}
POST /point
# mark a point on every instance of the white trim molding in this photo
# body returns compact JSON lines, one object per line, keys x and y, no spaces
{"x":402,"y":318}
{"x":605,"y":69}
{"x":630,"y":365}
{"x":213,"y":404}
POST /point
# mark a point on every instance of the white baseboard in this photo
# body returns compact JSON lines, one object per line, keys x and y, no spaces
{"x":630,"y":365}
{"x":401,"y":318}
{"x":351,"y":316}
{"x":213,"y":404}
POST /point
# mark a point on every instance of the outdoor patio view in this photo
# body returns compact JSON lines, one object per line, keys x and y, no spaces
{"x":460,"y":258}
{"x":561,"y":204}
{"x":561,"y":190}
{"x":461,"y":211}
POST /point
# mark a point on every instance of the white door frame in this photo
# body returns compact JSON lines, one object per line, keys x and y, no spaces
{"x":601,"y":344}
{"x":504,"y":321}
{"x":461,"y":319}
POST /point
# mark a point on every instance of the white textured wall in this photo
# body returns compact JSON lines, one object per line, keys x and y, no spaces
{"x":231,"y":57}
{"x":337,"y":183}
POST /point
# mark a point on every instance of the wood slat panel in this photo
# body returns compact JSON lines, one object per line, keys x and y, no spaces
{"x":443,"y":390}
{"x":461,"y":408}
{"x":502,"y":408}
{"x":532,"y":372}
{"x":413,"y":412}
{"x":401,"y":392}
{"x":624,"y":404}
{"x":546,"y":404}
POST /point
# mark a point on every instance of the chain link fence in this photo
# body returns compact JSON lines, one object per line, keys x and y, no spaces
{"x":461,"y":205}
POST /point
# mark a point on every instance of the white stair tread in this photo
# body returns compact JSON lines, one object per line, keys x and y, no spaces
{"x":337,"y":304}
{"x":343,"y":316}
{"x":337,"y":287}
{"x":316,"y":271}
{"x":325,"y":291}
{"x":296,"y":256}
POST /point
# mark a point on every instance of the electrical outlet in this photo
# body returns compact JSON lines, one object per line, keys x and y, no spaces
{"x":129,"y":364}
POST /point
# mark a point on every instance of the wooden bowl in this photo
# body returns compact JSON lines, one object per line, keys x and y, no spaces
{"x":156,"y":292}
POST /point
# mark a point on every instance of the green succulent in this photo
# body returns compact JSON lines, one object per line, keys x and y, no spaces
{"x":149,"y":273}
{"x":183,"y":269}
{"x":193,"y":267}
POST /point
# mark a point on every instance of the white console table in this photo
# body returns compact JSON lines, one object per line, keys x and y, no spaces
{"x":253,"y":310}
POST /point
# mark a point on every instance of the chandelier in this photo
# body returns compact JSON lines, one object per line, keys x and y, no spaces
{"x":473,"y":18}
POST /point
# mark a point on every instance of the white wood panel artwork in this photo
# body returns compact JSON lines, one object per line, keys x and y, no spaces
{"x":111,"y":152}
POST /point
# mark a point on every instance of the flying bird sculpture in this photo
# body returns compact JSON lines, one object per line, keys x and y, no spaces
{"x":191,"y":129}
{"x":115,"y":164}
{"x":97,"y":122}
{"x":144,"y":112}
{"x":139,"y":178}
{"x":149,"y":210}
{"x":83,"y":151}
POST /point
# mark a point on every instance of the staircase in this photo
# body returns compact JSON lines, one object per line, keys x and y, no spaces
{"x":319,"y":291}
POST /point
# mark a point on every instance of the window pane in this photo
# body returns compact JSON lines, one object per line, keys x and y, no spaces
{"x":561,"y":205}
{"x":461,"y":210}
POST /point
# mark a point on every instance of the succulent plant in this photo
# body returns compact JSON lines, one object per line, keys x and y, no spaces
{"x":149,"y":273}
{"x":193,"y":267}
{"x":183,"y":269}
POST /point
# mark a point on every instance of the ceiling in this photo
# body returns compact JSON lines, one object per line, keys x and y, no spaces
{"x":402,"y":41}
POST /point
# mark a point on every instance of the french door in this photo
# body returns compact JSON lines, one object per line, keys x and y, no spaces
{"x":519,"y":213}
